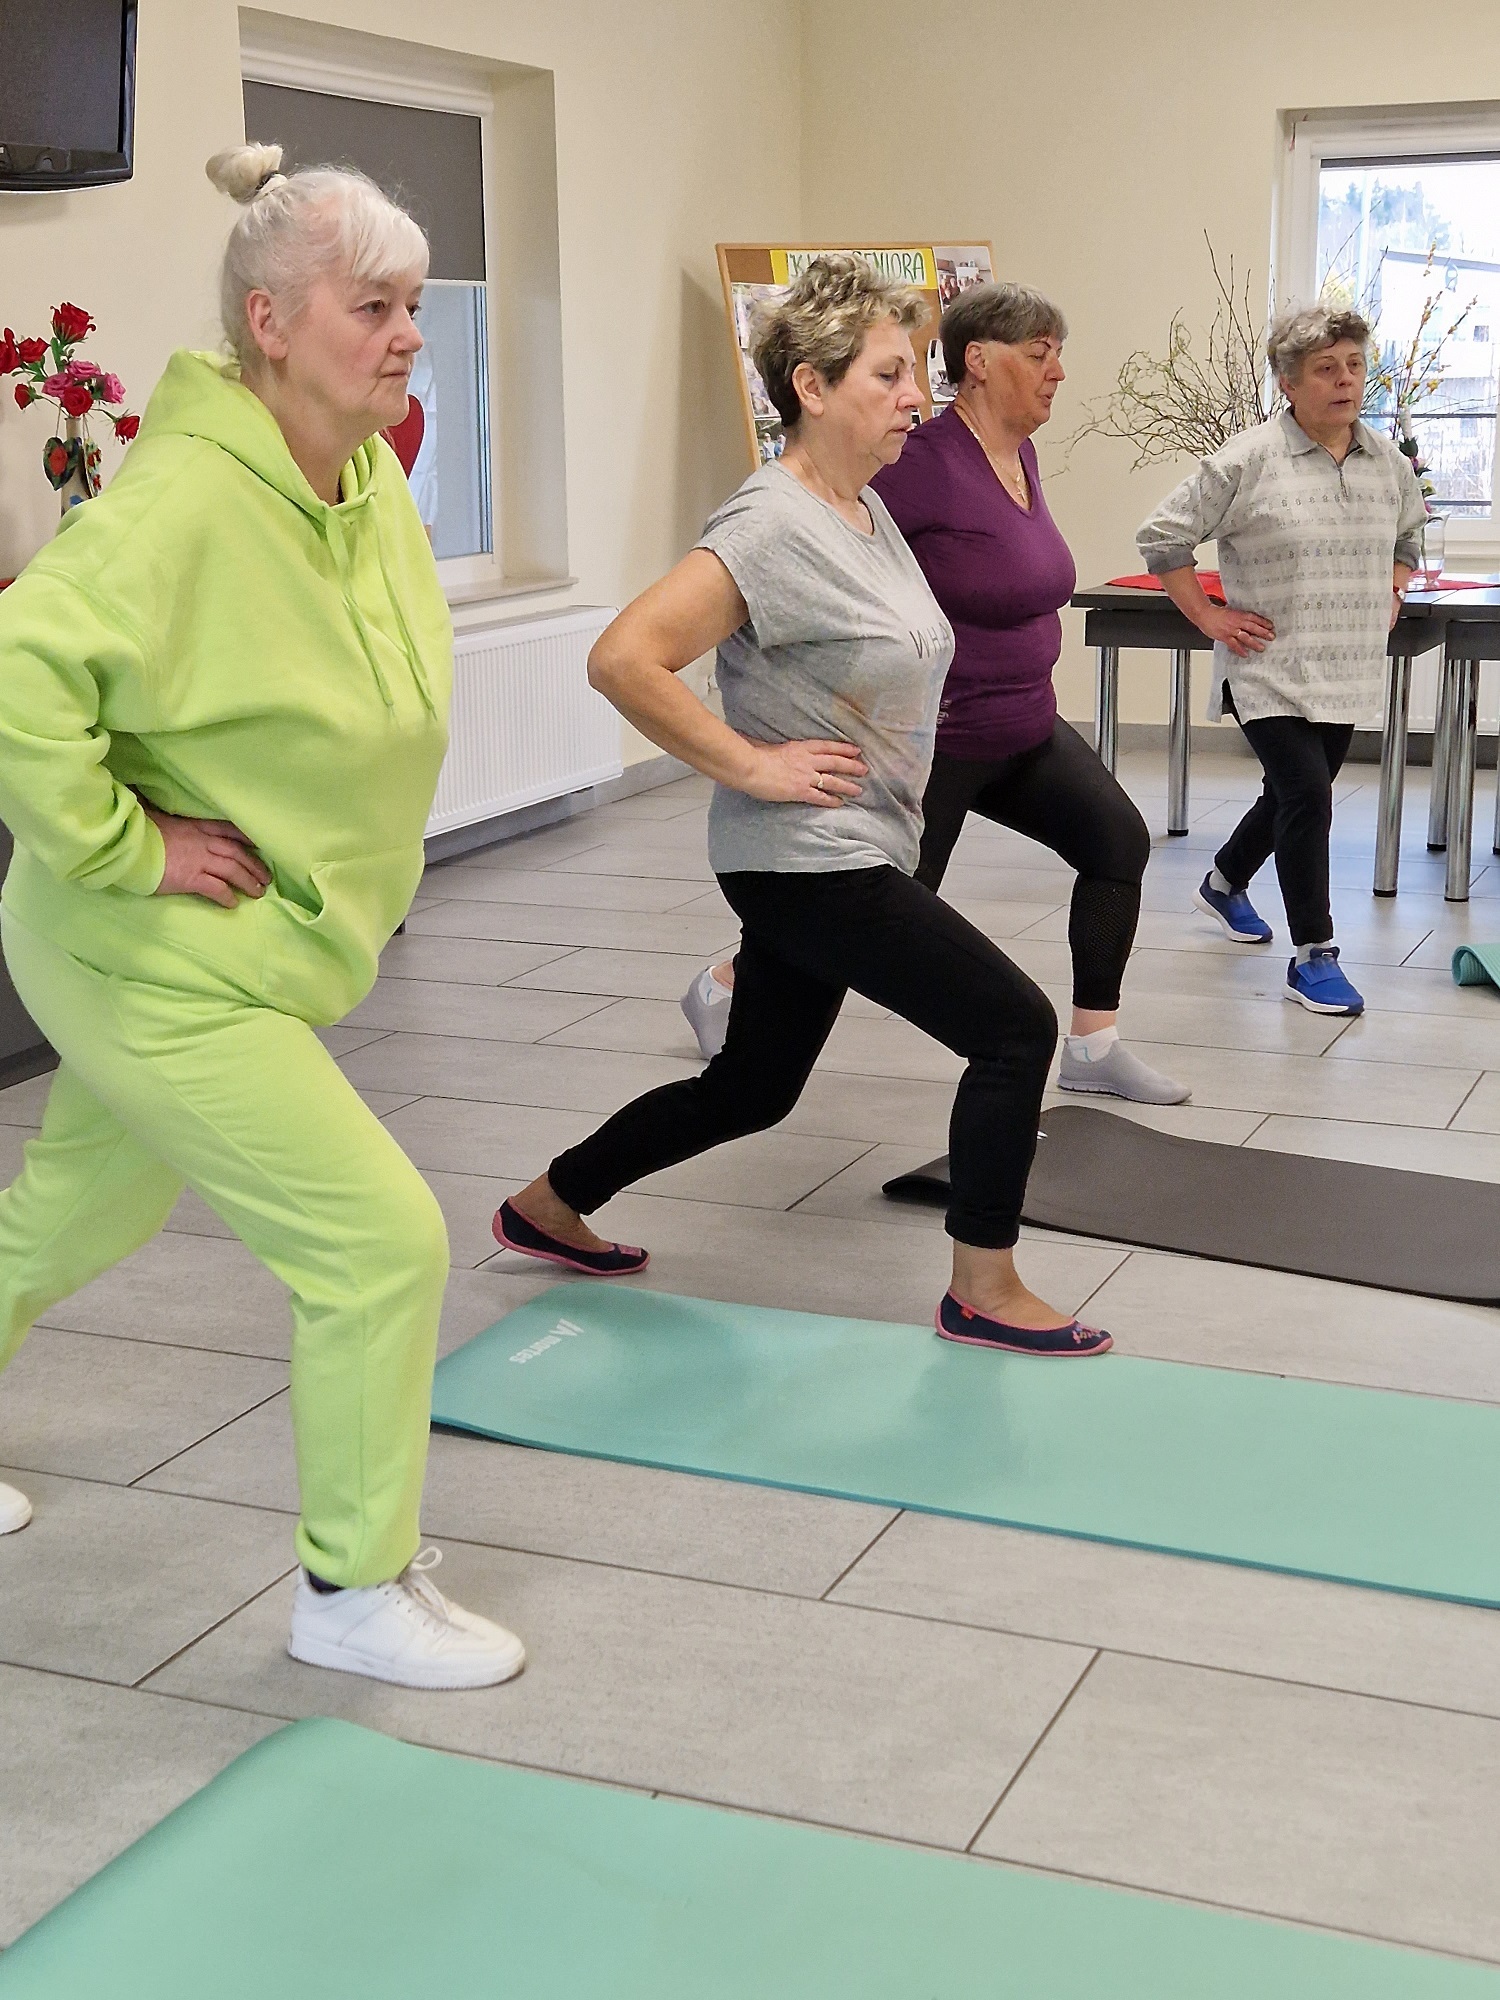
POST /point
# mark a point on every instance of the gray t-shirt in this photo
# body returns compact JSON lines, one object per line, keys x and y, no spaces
{"x":844,"y":640}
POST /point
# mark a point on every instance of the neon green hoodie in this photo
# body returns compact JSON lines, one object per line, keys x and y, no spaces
{"x":212,"y":637}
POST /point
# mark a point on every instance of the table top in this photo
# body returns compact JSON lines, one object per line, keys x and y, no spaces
{"x":1156,"y":603}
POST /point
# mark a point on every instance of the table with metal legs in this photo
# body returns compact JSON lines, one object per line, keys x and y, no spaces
{"x":1471,"y":625}
{"x":1115,"y":617}
{"x":1417,"y":631}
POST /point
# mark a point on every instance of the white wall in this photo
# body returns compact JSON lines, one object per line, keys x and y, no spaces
{"x":1093,"y":141}
{"x":678,"y":123}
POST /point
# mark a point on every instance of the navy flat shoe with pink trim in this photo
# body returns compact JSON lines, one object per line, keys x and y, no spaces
{"x":512,"y":1229}
{"x":956,"y":1321}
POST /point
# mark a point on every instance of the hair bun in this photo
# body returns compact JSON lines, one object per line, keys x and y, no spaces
{"x":241,"y":171}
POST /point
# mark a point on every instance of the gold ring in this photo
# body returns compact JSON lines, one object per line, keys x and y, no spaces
{"x":817,"y":781}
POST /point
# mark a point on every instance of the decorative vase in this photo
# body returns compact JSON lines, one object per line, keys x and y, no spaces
{"x":71,"y":463}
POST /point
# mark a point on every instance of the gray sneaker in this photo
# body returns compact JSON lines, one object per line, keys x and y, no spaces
{"x":1117,"y":1073}
{"x":706,"y":1005}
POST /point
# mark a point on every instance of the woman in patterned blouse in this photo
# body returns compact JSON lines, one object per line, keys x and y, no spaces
{"x":1317,"y":520}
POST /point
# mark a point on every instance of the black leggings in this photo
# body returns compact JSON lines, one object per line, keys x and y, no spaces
{"x":806,"y":940}
{"x":1292,"y":818}
{"x":1061,"y":795}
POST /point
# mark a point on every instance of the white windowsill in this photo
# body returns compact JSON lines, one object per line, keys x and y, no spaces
{"x":474,"y":604}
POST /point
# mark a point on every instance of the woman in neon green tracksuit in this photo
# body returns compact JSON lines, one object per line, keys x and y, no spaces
{"x":223,"y":703}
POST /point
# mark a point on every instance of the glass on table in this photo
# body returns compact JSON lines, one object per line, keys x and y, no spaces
{"x":1434,"y":534}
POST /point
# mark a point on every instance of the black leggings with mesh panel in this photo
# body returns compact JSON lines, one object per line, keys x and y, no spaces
{"x":1061,"y":795}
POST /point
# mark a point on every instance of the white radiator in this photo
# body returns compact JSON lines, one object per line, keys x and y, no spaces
{"x":1424,"y":694}
{"x":525,"y":724}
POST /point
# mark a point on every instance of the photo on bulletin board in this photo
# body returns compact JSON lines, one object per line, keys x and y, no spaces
{"x":755,"y":271}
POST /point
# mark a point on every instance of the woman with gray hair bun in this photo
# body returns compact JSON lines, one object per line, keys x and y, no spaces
{"x":223,"y":708}
{"x":1317,"y":520}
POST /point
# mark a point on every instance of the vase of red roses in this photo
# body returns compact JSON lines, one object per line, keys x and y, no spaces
{"x":53,"y":371}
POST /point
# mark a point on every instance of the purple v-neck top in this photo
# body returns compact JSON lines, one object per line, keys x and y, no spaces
{"x":1001,"y":576}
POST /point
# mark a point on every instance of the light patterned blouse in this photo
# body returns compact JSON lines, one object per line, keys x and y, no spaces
{"x":1309,"y":544}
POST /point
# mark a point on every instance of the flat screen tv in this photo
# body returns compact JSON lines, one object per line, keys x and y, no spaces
{"x":67,"y":93}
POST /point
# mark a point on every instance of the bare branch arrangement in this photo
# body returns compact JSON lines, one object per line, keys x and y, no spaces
{"x":1184,"y":402}
{"x":1399,"y":383}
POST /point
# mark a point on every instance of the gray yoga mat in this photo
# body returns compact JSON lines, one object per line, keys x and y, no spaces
{"x":1101,"y":1175}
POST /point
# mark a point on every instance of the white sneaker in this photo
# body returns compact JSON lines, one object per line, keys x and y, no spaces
{"x":706,"y":1005}
{"x":405,"y":1631}
{"x":15,"y":1509}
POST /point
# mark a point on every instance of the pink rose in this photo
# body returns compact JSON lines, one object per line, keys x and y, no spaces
{"x":80,"y":371}
{"x":53,"y":385}
{"x":111,"y":389}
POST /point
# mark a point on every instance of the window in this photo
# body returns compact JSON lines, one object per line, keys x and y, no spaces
{"x":1416,"y":245}
{"x":432,"y":162}
{"x":470,"y":145}
{"x":1399,"y":214}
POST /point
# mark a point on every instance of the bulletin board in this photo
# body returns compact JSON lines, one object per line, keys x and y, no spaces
{"x":754,"y":271}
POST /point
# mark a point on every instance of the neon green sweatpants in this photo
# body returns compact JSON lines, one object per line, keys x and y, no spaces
{"x":161,"y":1088}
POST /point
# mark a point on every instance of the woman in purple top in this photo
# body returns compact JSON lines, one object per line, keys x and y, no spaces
{"x":967,"y":496}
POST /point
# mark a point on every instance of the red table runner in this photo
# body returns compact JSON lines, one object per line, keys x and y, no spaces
{"x":1213,"y":585}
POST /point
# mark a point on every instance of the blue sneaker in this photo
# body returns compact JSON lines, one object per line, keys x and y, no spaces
{"x":1235,"y":912}
{"x":1320,"y":985}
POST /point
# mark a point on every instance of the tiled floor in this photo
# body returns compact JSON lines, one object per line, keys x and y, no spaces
{"x":1326,"y":1755}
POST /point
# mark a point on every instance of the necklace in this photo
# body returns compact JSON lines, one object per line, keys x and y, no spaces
{"x":1016,"y":486}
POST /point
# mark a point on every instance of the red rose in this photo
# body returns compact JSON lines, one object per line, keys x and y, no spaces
{"x":126,"y":428}
{"x":72,"y":323}
{"x":25,"y":395}
{"x":31,"y":351}
{"x":77,"y":400}
{"x":57,"y":458}
{"x":10,"y":354}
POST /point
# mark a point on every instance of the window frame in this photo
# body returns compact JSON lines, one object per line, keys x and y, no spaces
{"x":462,"y":577}
{"x":1372,"y":134}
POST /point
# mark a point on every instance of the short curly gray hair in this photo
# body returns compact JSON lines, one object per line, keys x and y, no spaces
{"x":822,"y":318}
{"x":1012,"y":314}
{"x":1304,"y":330}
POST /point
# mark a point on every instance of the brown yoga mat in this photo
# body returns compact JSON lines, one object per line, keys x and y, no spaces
{"x":1101,"y":1175}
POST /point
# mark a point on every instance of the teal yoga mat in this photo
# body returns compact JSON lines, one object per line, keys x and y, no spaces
{"x":1358,"y":1485}
{"x":329,"y":1863}
{"x":1477,"y":965}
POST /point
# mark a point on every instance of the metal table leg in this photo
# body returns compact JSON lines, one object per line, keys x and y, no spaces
{"x":1461,"y":778}
{"x":1107,"y":706}
{"x":1442,"y":737}
{"x":1179,"y":741}
{"x":1392,"y":775}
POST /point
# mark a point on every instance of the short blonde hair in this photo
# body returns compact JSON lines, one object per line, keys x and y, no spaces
{"x":822,"y":318}
{"x":1304,"y":330}
{"x":300,"y":226}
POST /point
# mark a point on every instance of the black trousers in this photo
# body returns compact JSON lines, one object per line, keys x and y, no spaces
{"x":1061,"y":795}
{"x":807,"y":939}
{"x":1292,"y":818}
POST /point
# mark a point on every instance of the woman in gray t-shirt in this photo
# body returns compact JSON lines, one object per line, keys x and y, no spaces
{"x":832,"y":653}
